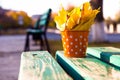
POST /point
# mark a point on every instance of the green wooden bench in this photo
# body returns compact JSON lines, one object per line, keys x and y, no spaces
{"x":39,"y":31}
{"x":110,"y":55}
{"x":101,"y":63}
{"x":40,"y":65}
{"x":89,"y":68}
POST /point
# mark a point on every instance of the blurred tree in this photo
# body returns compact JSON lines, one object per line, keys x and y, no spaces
{"x":52,"y":23}
{"x":26,"y":18}
{"x":16,"y":15}
{"x":10,"y":19}
{"x":117,"y":17}
{"x":108,"y":22}
{"x":95,"y":5}
{"x":13,"y":16}
{"x":99,"y":34}
{"x":5,"y":21}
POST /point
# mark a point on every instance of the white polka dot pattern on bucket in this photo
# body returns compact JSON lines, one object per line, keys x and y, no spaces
{"x":75,"y":44}
{"x":71,"y":43}
{"x":71,"y":36}
{"x":76,"y":39}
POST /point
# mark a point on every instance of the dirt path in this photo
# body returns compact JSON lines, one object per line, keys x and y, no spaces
{"x":9,"y":66}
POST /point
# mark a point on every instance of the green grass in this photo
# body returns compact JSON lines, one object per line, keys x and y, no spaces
{"x":57,"y":45}
{"x":117,"y":44}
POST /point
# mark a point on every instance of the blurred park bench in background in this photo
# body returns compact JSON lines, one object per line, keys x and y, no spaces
{"x":38,"y":32}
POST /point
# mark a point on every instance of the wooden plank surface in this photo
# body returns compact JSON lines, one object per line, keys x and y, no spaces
{"x":40,"y":65}
{"x":88,"y":68}
{"x":108,"y":54}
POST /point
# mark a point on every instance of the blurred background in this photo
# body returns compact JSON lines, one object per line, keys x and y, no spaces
{"x":17,"y":15}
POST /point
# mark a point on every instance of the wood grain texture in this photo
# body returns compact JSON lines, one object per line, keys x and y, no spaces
{"x":108,"y":54}
{"x":39,"y":65}
{"x":88,"y":68}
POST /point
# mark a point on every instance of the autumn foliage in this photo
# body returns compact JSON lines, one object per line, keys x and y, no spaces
{"x":10,"y":19}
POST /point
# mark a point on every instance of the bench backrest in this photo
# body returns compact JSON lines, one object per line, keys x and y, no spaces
{"x":43,"y":21}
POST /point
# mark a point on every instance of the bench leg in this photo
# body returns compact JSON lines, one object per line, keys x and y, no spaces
{"x":41,"y":43}
{"x":46,"y":42}
{"x":27,"y":47}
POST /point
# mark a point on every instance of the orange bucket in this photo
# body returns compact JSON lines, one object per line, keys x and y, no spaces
{"x":75,"y":43}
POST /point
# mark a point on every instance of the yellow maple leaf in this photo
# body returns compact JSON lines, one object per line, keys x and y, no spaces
{"x":61,"y":18}
{"x":80,"y":18}
{"x":73,"y":19}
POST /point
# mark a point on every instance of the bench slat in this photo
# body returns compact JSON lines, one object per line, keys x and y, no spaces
{"x":39,"y":65}
{"x":44,"y":16}
{"x":88,"y":68}
{"x":108,"y":54}
{"x":43,"y":22}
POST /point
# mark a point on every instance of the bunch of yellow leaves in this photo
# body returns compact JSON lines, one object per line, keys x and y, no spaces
{"x":80,"y":18}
